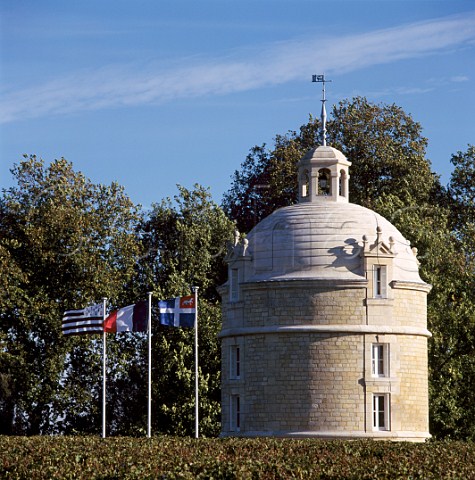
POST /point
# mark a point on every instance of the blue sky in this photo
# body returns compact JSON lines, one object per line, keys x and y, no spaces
{"x":156,"y":93}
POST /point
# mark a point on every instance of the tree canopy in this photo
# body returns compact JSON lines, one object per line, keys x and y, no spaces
{"x":185,"y":242}
{"x":63,"y":242}
{"x":66,"y":243}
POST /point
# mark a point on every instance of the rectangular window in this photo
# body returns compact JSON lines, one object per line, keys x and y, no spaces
{"x":235,"y":362}
{"x":380,"y":360}
{"x":235,"y":413}
{"x":381,"y":411}
{"x":379,"y":281}
{"x":234,"y":284}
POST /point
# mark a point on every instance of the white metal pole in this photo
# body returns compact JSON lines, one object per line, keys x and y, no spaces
{"x":104,"y":355}
{"x":149,"y":424}
{"x":195,"y":290}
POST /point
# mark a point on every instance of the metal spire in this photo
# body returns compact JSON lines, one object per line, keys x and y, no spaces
{"x":321,"y":79}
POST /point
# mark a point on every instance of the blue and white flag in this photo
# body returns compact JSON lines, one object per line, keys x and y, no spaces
{"x":178,"y":312}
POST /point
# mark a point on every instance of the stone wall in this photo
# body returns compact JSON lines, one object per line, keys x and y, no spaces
{"x":305,"y":361}
{"x":298,"y":382}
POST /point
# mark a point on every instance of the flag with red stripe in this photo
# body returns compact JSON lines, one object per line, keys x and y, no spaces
{"x":132,"y":318}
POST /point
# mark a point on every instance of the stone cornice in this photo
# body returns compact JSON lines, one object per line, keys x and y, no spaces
{"x":338,"y":435}
{"x":326,"y":282}
{"x":312,"y":282}
{"x":322,"y":329}
{"x":401,"y":284}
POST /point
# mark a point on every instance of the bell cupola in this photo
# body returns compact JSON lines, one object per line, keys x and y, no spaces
{"x":323,"y":176}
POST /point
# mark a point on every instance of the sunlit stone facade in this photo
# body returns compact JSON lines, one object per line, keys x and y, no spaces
{"x":324,"y":320}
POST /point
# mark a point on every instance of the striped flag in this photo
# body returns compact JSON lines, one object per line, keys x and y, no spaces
{"x":178,"y":312}
{"x":83,"y":322}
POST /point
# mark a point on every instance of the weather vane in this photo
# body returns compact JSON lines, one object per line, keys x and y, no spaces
{"x":321,"y":79}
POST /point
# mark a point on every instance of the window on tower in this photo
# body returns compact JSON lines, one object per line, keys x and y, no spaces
{"x":324,"y":182}
{"x":380,"y":360}
{"x":235,"y":417}
{"x":235,"y":362}
{"x":380,"y":289}
{"x":381,"y":416}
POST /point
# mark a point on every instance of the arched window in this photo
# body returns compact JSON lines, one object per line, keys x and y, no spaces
{"x":324,"y":182}
{"x":304,"y":184}
{"x":342,"y":184}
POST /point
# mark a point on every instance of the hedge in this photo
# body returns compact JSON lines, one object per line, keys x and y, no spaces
{"x":232,"y":458}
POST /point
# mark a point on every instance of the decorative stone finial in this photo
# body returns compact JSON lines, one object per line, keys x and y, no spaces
{"x":237,"y":236}
{"x":365,"y":244}
{"x":379,"y":232}
{"x":391,"y":244}
{"x":245,"y":245}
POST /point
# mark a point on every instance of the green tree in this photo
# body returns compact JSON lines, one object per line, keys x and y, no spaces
{"x":11,"y":298}
{"x":452,"y":310}
{"x":127,"y":385}
{"x":186,"y":242}
{"x":64,"y":242}
{"x":386,"y":148}
{"x":462,"y":194}
{"x":268,"y":178}
{"x":462,"y":182}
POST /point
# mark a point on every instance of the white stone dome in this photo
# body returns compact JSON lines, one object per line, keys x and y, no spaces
{"x":322,"y":238}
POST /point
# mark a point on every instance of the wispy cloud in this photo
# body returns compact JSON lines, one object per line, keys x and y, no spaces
{"x":459,"y":78}
{"x":390,"y":92}
{"x":155,"y":83}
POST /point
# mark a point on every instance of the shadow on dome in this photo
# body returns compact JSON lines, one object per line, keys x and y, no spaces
{"x":347,"y":256}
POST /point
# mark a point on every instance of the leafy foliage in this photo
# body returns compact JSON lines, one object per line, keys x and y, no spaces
{"x":452,"y":310}
{"x":185,"y":458}
{"x":64,"y":242}
{"x":186,"y":243}
{"x":386,"y":148}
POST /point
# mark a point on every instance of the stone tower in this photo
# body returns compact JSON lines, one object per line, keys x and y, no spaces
{"x":324,"y":320}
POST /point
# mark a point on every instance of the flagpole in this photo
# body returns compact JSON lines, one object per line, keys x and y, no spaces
{"x":195,"y":290}
{"x":149,"y":424}
{"x":104,"y":354}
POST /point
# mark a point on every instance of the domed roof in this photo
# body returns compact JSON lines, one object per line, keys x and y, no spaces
{"x":322,"y":155}
{"x":324,"y":240}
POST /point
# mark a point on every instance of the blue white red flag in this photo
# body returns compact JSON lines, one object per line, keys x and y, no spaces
{"x":132,"y":318}
{"x":178,"y":312}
